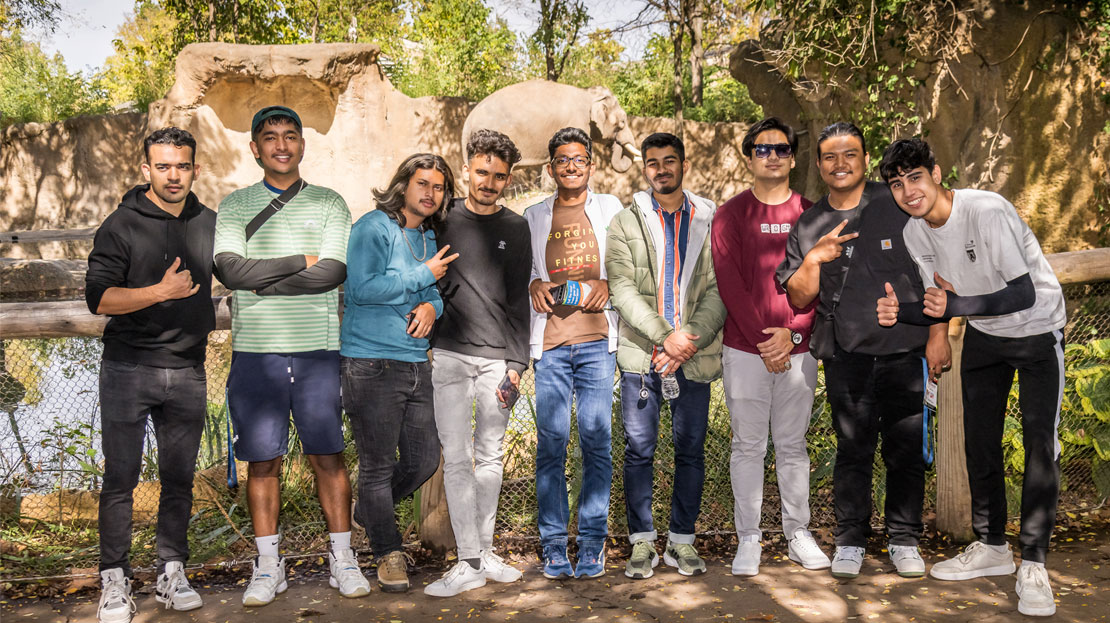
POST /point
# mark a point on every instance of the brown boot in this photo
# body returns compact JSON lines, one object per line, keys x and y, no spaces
{"x":393,"y":574}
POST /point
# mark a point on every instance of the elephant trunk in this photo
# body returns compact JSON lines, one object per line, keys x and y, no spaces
{"x":620,"y":162}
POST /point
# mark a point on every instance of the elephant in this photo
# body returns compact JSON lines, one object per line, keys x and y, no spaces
{"x":530,"y":112}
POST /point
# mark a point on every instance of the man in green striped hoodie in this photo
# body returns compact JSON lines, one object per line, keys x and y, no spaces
{"x":285,"y":343}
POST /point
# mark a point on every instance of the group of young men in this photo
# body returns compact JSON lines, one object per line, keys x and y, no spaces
{"x":446,"y":300}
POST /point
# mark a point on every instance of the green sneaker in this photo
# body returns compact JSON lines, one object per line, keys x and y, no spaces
{"x":685,"y":558}
{"x":643,"y":559}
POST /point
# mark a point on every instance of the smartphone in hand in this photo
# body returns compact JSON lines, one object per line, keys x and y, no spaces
{"x":507,"y":393}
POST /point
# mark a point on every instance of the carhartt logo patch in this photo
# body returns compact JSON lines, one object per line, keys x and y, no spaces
{"x":886,"y":244}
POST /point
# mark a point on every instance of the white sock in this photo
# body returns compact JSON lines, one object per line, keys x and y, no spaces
{"x":1001,"y":549}
{"x":1032,"y":562}
{"x":340,"y":541}
{"x":267,"y":545}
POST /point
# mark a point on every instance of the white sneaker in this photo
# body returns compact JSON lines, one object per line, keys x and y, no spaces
{"x":497,"y":569}
{"x":116,"y":605}
{"x":846,"y":561}
{"x":978,"y":560}
{"x":1034,"y":592}
{"x":747,"y":557}
{"x":345,"y":574}
{"x":803,"y":549}
{"x":462,"y":577}
{"x":267,"y":581}
{"x":907,"y":560}
{"x":173,"y":589}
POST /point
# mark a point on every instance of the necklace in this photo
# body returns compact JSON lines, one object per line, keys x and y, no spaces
{"x":424,"y":256}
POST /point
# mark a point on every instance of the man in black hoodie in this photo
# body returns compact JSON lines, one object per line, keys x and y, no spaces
{"x":150,"y":270}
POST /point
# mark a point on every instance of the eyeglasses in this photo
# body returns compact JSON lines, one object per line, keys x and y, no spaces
{"x":782,"y":150}
{"x":562,"y":161}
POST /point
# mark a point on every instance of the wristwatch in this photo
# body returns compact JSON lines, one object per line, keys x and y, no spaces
{"x":795,"y":337}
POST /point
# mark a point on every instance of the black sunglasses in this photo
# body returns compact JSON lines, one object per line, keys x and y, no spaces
{"x":782,"y":150}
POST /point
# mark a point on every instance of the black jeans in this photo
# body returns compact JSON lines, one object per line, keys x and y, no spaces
{"x":871,"y":397}
{"x":392,"y":413}
{"x":987,"y":371}
{"x":176,"y":401}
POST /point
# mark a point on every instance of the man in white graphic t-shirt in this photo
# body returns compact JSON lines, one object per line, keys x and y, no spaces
{"x":979,"y":259}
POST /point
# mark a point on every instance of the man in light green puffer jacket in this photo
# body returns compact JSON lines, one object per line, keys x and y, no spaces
{"x":662,"y":284}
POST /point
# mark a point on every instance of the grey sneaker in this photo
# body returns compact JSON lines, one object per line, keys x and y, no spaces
{"x":642,"y":561}
{"x":684,"y":557}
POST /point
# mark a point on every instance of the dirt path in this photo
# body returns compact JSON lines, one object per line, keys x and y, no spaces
{"x":1079,"y":568}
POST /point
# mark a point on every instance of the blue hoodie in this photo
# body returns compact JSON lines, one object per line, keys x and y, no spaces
{"x":385,"y":281}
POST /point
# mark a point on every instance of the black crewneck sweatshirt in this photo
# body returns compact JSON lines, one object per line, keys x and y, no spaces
{"x":485,"y":290}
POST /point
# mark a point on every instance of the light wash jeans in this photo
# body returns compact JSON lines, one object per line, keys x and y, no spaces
{"x":583,"y":373}
{"x":472,"y":443}
{"x":758,"y":400}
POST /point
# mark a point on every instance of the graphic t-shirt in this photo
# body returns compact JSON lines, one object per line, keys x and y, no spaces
{"x":983,"y":245}
{"x":572,"y":255}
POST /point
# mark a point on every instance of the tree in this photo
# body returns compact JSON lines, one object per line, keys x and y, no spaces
{"x":557,"y":34}
{"x":142,"y":68}
{"x":36,"y":87}
{"x":461,"y":51}
{"x":16,"y":15}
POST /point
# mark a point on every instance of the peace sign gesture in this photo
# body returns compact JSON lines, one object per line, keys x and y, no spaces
{"x":829,"y":246}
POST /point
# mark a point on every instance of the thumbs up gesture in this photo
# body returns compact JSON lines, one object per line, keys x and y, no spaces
{"x":936,"y":299}
{"x":887,"y":307}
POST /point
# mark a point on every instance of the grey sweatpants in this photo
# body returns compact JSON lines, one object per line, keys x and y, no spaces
{"x":758,"y":400}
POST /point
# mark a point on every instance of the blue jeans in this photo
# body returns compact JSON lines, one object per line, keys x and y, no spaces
{"x":689,"y":421}
{"x":584,"y":373}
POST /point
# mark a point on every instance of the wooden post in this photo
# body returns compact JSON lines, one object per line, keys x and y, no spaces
{"x":953,"y":494}
{"x":434,"y":526}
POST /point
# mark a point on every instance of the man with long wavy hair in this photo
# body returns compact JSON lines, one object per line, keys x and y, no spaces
{"x":391,"y":303}
{"x":480,"y":345}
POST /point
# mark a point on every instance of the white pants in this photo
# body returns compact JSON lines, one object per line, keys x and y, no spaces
{"x":757,"y":399}
{"x":471,"y":439}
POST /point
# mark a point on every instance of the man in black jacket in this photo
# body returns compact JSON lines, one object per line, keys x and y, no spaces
{"x":150,"y":270}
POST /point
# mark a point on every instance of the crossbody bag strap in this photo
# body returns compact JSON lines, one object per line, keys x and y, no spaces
{"x":275,"y":206}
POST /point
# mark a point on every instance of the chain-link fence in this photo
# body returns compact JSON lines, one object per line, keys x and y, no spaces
{"x":51,"y":462}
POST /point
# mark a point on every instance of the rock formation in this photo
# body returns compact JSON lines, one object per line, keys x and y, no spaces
{"x":1013,"y":107}
{"x":358,"y":128}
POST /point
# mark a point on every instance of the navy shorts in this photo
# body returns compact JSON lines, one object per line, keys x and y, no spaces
{"x":263,"y":389}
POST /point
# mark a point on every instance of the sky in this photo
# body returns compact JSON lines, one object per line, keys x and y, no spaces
{"x":85,"y":32}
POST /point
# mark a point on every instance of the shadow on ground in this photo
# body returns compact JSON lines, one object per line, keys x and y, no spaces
{"x":1079,"y":568}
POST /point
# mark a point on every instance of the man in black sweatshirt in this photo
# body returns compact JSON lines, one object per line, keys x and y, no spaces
{"x":150,"y":270}
{"x":480,"y":346}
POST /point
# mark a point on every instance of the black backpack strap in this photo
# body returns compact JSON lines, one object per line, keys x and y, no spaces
{"x":274,"y":207}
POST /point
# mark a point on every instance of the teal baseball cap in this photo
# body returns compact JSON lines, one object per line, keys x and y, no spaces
{"x":273,"y":111}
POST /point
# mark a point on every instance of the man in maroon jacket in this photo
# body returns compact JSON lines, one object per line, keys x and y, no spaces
{"x":769,"y":375}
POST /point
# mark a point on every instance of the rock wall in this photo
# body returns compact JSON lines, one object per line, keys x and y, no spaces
{"x":357,"y":129}
{"x":1016,"y":109}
